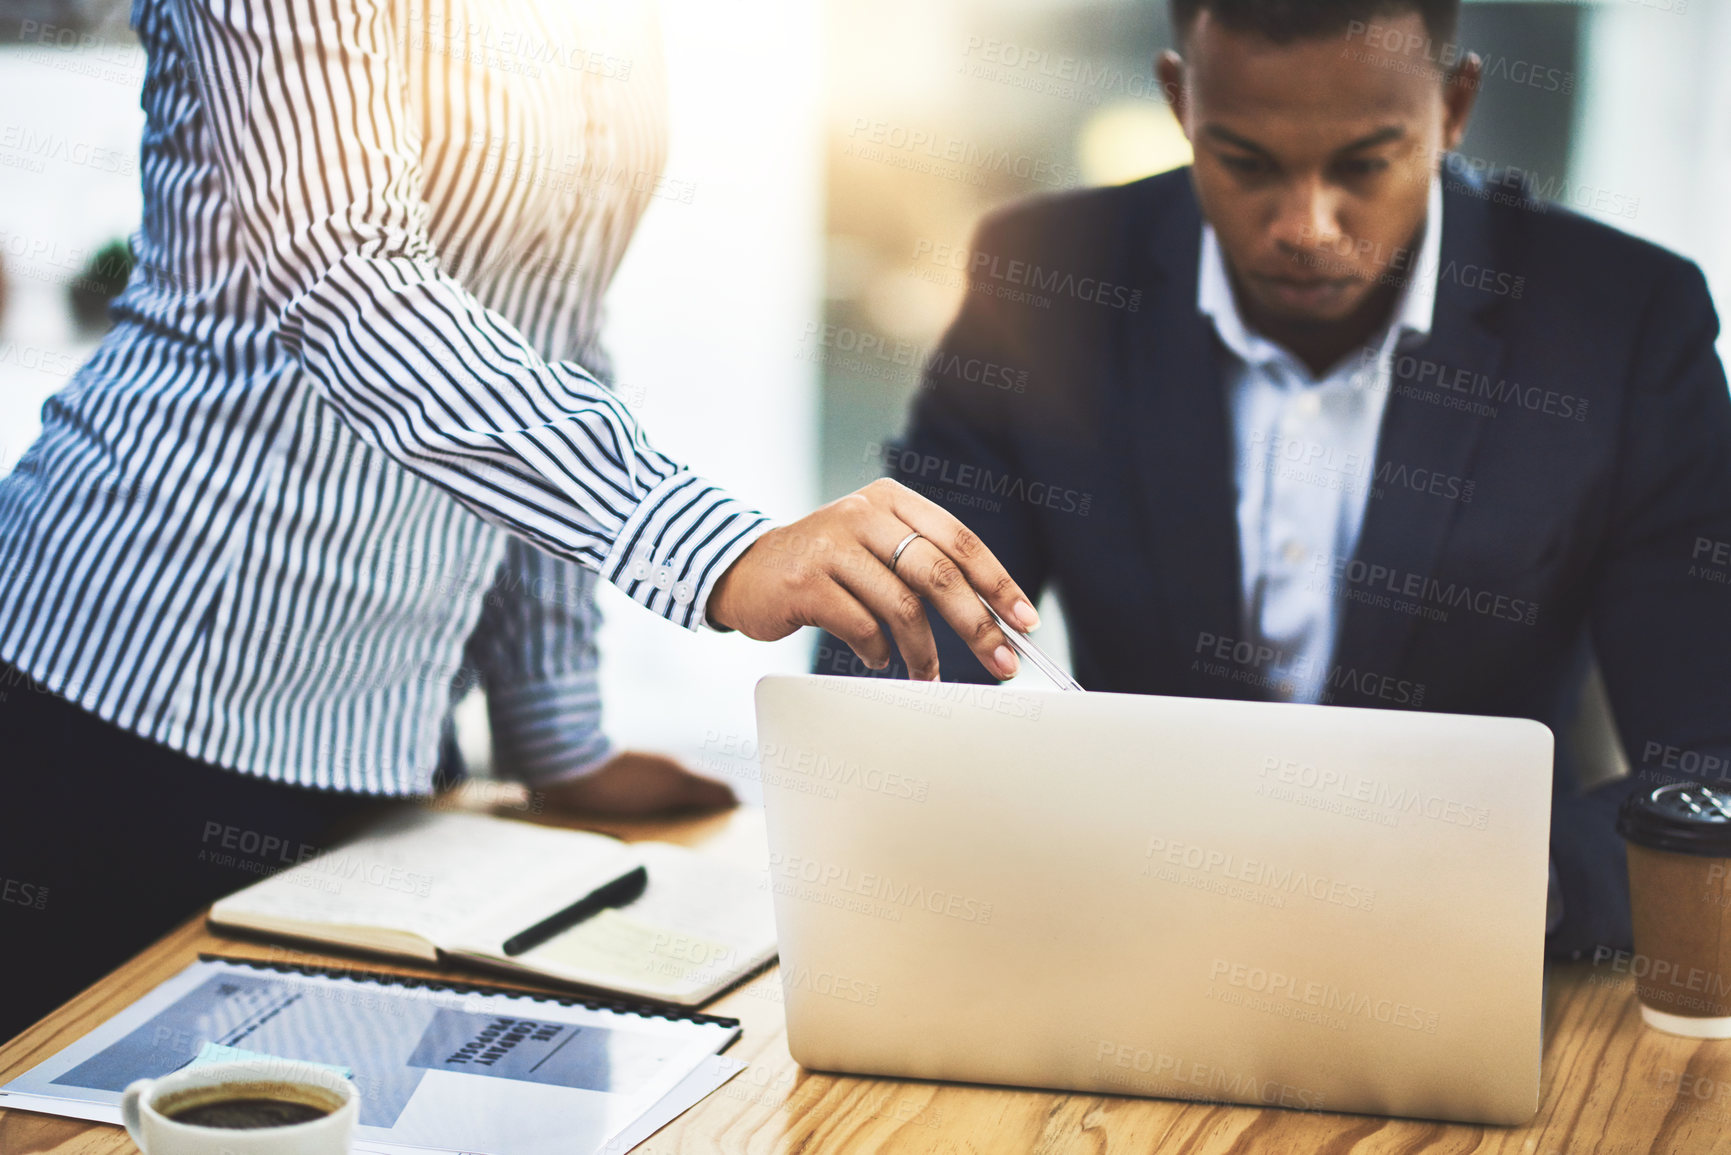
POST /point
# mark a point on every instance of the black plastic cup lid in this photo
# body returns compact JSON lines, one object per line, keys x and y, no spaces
{"x":1682,"y":817}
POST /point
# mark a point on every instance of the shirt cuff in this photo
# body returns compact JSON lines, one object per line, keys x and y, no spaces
{"x":677,"y":543}
{"x":743,"y":543}
{"x":547,"y":732}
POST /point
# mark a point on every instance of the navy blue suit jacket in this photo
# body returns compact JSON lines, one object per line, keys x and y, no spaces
{"x":1553,"y":479}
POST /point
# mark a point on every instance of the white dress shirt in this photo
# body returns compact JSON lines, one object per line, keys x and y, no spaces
{"x":1304,"y":453}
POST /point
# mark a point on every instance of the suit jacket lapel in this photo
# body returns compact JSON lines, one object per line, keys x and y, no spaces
{"x":1181,"y":445}
{"x":1405,"y":527}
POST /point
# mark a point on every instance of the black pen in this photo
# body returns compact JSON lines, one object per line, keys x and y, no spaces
{"x":628,"y":887}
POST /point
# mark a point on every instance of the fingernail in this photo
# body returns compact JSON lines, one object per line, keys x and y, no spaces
{"x":1025,"y":616}
{"x":1006,"y":661}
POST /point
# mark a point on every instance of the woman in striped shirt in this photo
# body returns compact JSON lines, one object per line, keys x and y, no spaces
{"x":348,"y":446}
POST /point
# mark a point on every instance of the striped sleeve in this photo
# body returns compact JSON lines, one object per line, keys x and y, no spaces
{"x":306,"y":117}
{"x":535,"y":651}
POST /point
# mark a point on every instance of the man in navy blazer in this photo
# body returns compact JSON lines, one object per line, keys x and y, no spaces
{"x":1549,"y":477}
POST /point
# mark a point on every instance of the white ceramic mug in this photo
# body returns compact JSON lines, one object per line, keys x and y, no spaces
{"x":146,"y":1105}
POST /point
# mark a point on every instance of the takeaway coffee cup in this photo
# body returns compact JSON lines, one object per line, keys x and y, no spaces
{"x":260,"y":1106}
{"x":1679,"y":841}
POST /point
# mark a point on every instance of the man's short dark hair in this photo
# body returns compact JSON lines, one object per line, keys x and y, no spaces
{"x":1284,"y":21}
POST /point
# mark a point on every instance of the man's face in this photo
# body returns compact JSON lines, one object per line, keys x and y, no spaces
{"x":1314,"y":158}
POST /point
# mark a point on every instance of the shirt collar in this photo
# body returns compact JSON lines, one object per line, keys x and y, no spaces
{"x":1414,"y":311}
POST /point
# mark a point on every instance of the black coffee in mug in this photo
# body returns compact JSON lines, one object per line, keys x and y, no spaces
{"x":248,"y":1107}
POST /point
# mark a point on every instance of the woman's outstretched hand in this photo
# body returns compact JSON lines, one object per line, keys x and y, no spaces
{"x":832,"y":569}
{"x":632,"y":784}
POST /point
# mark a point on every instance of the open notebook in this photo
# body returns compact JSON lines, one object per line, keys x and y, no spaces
{"x":434,"y":885}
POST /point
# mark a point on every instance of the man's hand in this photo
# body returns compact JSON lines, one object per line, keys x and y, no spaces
{"x":633,"y":785}
{"x":832,"y":569}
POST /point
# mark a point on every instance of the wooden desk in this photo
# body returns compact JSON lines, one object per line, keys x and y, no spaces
{"x":1611,"y":1086}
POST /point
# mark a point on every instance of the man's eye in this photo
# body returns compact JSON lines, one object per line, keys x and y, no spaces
{"x":1361,"y":166}
{"x":1249,"y":165}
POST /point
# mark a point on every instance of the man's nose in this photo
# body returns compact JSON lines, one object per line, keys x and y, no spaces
{"x":1305,"y":218}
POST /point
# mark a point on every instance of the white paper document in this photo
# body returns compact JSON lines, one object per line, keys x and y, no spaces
{"x":439,"y":1069}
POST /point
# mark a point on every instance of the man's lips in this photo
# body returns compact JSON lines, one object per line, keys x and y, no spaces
{"x":1305,"y":290}
{"x":1291,"y":282}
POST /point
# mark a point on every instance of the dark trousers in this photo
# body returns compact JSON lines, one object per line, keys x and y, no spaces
{"x":108,"y":841}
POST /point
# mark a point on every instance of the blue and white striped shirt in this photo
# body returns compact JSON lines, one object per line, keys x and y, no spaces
{"x":345,"y":442}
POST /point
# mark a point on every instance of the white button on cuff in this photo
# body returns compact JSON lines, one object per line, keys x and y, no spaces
{"x":683,"y":593}
{"x":663,"y":577}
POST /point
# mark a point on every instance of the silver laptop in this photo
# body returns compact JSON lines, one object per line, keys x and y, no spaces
{"x":1285,"y":905}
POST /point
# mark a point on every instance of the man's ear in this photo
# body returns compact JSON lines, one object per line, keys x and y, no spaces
{"x":1460,"y":91}
{"x":1169,"y":69}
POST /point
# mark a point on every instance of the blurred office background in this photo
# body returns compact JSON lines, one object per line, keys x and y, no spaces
{"x":770,"y":330}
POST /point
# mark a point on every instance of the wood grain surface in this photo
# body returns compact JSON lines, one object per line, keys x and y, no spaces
{"x":1611,"y":1085}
